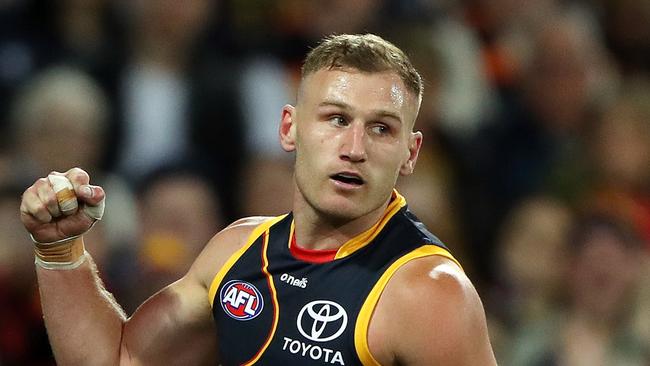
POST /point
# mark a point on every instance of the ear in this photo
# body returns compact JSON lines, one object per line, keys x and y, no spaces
{"x":288,"y":128}
{"x":415,"y":142}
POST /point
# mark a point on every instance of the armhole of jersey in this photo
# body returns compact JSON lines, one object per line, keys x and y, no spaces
{"x":274,"y":298}
{"x":255,"y":234}
{"x":363,"y":321}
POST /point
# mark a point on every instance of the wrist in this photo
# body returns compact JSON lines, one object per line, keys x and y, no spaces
{"x":68,"y":253}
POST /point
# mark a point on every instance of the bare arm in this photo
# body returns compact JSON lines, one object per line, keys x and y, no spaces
{"x":85,"y":324}
{"x":79,"y":315}
{"x":87,"y":327}
{"x":430,"y":314}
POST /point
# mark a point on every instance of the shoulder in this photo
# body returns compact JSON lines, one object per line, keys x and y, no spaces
{"x":435,"y":282}
{"x":223,"y":245}
{"x":436,"y":315}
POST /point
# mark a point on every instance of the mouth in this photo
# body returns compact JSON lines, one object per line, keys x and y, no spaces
{"x":348,"y":178}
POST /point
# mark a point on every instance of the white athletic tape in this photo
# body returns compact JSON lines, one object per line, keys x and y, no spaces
{"x":61,"y":265}
{"x":95,"y":212}
{"x":64,"y":193}
{"x":68,"y":199}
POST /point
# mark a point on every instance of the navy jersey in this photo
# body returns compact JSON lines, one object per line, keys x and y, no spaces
{"x":271,"y":308}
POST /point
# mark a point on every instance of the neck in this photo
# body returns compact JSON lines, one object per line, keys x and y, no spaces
{"x":317,"y":230}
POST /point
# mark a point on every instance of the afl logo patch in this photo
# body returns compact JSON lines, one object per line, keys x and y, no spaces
{"x":241,"y":300}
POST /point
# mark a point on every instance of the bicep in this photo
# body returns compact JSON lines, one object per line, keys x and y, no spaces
{"x":173,"y":327}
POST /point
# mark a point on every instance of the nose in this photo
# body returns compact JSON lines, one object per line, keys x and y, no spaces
{"x":353,"y":146}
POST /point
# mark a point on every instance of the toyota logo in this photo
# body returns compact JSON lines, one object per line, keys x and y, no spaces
{"x":326,"y":318}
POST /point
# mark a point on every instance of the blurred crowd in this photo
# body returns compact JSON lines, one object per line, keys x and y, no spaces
{"x":535,"y":169}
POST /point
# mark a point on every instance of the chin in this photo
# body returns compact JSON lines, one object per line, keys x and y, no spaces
{"x":342,"y":208}
{"x":334,"y":206}
{"x":339,"y":217}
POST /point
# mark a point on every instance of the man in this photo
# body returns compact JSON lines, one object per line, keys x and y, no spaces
{"x":349,"y":277}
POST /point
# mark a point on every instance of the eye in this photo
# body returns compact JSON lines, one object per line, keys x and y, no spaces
{"x":338,"y":120}
{"x":380,"y":129}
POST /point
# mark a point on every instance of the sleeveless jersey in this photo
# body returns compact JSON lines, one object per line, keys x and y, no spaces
{"x":271,"y":308}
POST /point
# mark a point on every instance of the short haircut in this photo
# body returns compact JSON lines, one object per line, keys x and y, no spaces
{"x":366,"y":53}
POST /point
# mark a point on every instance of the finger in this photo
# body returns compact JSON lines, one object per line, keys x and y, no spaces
{"x":33,"y":206}
{"x":65,"y":194}
{"x":78,"y":177}
{"x":47,"y":195}
{"x":91,"y":194}
{"x":80,"y":181}
{"x":94,"y":198}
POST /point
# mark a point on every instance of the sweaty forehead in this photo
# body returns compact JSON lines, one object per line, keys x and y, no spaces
{"x":358,"y":89}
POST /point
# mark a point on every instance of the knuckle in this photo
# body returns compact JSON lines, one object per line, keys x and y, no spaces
{"x":41,"y":182}
{"x":51,"y":201}
{"x":39,"y":207}
{"x":77,"y":175}
{"x":29,"y":195}
{"x":41,"y":212}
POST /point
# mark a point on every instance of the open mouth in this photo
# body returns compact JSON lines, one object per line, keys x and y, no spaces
{"x":348,"y":178}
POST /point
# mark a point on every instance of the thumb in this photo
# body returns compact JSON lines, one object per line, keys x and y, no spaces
{"x":94,"y":199}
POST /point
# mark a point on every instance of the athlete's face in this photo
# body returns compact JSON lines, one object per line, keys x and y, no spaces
{"x":352,"y":133}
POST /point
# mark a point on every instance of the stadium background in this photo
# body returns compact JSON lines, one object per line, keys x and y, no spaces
{"x":535,"y":168}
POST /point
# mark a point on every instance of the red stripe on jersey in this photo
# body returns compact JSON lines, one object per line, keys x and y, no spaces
{"x":310,"y":255}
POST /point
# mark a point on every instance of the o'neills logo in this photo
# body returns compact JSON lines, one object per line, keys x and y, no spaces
{"x":298,"y":282}
{"x":241,"y":300}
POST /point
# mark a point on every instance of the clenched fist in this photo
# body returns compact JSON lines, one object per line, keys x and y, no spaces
{"x":51,"y":219}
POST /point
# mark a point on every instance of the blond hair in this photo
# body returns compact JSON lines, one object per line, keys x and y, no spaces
{"x":366,"y":53}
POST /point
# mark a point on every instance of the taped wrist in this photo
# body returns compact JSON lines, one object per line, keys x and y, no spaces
{"x":68,"y":253}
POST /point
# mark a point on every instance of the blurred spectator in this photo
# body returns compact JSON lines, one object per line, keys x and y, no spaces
{"x":178,"y":214}
{"x":69,"y":108}
{"x":83,"y":33}
{"x":502,"y":27}
{"x":596,"y":328}
{"x":536,"y":142}
{"x":155,"y":86}
{"x":23,"y":340}
{"x":37,"y":34}
{"x":466,"y":94}
{"x":177,"y":95}
{"x":621,"y":154}
{"x":532,"y":268}
{"x":342,"y":16}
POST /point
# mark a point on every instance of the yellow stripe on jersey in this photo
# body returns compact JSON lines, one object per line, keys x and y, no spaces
{"x":291,"y":233}
{"x":363,"y":321}
{"x":257,"y":232}
{"x":367,"y":236}
{"x":276,"y":305}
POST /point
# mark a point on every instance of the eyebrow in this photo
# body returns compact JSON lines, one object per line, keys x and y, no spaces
{"x":345,"y":106}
